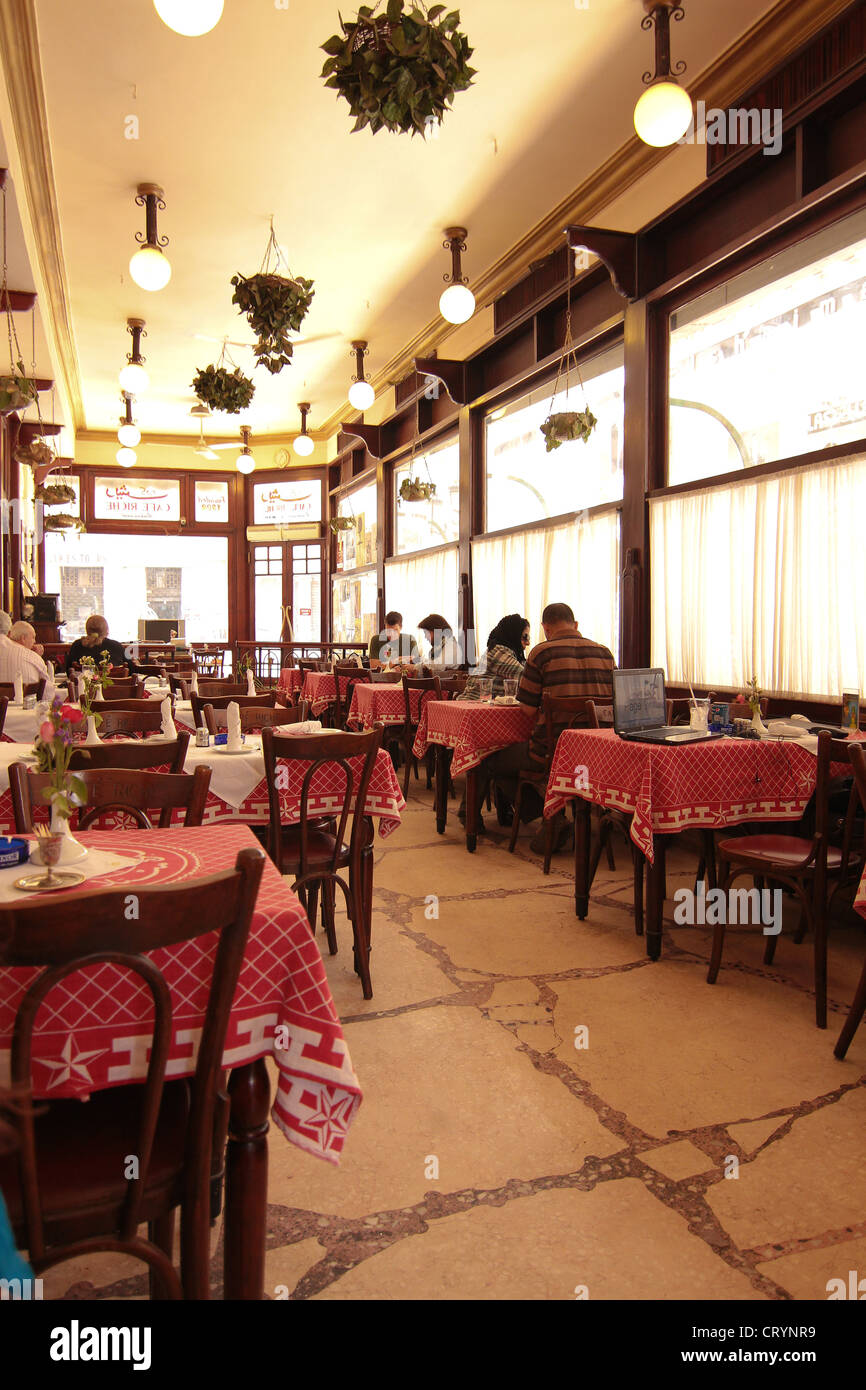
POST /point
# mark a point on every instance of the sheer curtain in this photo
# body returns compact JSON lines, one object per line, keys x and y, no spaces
{"x":420,"y":584}
{"x":763,"y":579}
{"x":577,"y":563}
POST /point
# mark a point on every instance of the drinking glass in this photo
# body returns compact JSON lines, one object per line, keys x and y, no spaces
{"x":485,"y":690}
{"x":510,"y":689}
{"x":699,"y":714}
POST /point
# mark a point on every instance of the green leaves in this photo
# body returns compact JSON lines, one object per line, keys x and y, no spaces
{"x":414,"y":490}
{"x":399,"y":71}
{"x":566,"y":426}
{"x":221,"y":389}
{"x":274,"y":307}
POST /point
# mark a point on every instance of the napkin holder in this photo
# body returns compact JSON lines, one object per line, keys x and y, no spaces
{"x":13,"y":852}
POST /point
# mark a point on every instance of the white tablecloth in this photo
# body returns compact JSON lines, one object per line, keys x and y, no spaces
{"x":20,"y":725}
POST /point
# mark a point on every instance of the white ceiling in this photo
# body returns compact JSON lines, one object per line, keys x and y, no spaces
{"x":237,"y":125}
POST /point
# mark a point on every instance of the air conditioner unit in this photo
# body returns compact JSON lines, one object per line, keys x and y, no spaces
{"x":291,"y":531}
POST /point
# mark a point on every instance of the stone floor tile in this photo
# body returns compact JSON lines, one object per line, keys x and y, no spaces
{"x":677,"y":1161}
{"x":287,"y":1264}
{"x":806,"y":1274}
{"x":751,"y":1134}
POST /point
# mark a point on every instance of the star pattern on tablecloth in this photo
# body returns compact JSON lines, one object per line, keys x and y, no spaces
{"x":330,"y":1119}
{"x":63,"y":1070}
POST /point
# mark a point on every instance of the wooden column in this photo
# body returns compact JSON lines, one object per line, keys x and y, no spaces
{"x":469,"y":466}
{"x":634,"y":611}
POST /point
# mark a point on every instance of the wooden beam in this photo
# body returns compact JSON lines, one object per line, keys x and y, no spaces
{"x":371,"y":435}
{"x":452,"y":375}
{"x":31,"y":429}
{"x":617,"y":250}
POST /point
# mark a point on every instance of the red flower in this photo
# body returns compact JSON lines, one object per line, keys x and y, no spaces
{"x":71,"y":713}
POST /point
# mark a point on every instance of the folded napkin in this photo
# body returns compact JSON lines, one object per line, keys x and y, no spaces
{"x":309,"y":726}
{"x":251,"y":685}
{"x":49,"y":666}
{"x":193,"y":685}
{"x":168,"y":729}
{"x":18,"y":689}
{"x":233,"y":725}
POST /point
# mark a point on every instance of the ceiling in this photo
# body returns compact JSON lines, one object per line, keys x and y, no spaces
{"x":237,"y":126}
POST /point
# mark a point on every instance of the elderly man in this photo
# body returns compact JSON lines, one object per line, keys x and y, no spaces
{"x":5,"y":623}
{"x":17,"y":657}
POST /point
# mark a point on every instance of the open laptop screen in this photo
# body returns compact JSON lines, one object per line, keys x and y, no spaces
{"x":638,"y":700}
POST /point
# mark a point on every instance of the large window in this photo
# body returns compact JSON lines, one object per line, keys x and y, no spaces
{"x":421,"y":525}
{"x":357,"y":546}
{"x":288,"y":584}
{"x":354,"y":608}
{"x":416,"y":585}
{"x":525,"y":482}
{"x":769,"y":365}
{"x":128,"y":577}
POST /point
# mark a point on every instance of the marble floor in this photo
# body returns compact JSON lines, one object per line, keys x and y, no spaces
{"x":549,"y":1115}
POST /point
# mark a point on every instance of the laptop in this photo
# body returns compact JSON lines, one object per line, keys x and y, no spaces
{"x":639,"y":710}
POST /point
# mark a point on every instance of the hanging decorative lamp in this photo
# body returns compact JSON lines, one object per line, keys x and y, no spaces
{"x":664,"y":113}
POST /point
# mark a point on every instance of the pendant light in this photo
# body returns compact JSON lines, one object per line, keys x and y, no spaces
{"x":245,"y":463}
{"x":361,"y":393}
{"x":664,"y":113}
{"x":457,"y":302}
{"x":304,"y":445}
{"x":189,"y":17}
{"x":129,"y":434}
{"x":133,"y":378}
{"x":149,"y":268}
{"x":126,"y":457}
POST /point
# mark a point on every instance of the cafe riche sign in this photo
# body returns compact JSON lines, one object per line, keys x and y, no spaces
{"x":276,"y":504}
{"x":144,"y":499}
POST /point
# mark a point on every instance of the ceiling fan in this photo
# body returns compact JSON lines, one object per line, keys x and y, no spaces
{"x":204,"y":449}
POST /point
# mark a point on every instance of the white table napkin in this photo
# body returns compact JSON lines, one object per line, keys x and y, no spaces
{"x":49,"y":666}
{"x":18,"y":689}
{"x":251,"y":685}
{"x":233,"y":725}
{"x":168,"y":727}
{"x":193,"y":685}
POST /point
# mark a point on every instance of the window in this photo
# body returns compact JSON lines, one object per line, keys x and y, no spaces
{"x":768,"y":366}
{"x":278,"y":504}
{"x":759,"y":578}
{"x":357,"y":546}
{"x":212,"y":502}
{"x":137,"y":499}
{"x":128,"y":577}
{"x":288,"y":582}
{"x":525,"y":483}
{"x":354,"y":608}
{"x":420,"y":584}
{"x":421,"y":525}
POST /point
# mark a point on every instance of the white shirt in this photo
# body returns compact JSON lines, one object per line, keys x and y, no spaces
{"x":449,"y":655}
{"x":16,"y":660}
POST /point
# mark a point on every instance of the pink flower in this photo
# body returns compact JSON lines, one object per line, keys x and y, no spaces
{"x":70,"y":712}
{"x":46,"y":731}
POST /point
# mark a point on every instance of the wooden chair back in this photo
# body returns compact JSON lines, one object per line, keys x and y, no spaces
{"x":154,"y":668}
{"x":111,"y":789}
{"x":334,"y":752}
{"x":131,"y":689}
{"x":426,"y":684}
{"x":267,"y":700}
{"x":125,"y":721}
{"x":306,"y":663}
{"x":263,"y":717}
{"x":145,"y":752}
{"x":562,"y":712}
{"x":179,"y":685}
{"x":344,"y":700}
{"x":4,"y":705}
{"x":220,"y":688}
{"x":37,"y":688}
{"x":85,"y":931}
{"x":209,"y":664}
{"x":453,"y":684}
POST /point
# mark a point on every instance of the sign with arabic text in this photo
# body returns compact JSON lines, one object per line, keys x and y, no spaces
{"x":137,"y":499}
{"x":283,"y":502}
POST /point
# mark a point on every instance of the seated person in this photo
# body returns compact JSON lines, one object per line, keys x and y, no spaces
{"x":96,"y":643}
{"x":17,"y":657}
{"x":504,"y":658}
{"x":445,"y":650}
{"x":565,"y":664}
{"x":392,"y":646}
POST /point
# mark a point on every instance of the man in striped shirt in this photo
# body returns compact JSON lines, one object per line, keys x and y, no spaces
{"x":565,"y":664}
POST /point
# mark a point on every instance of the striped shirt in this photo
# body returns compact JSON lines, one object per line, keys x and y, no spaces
{"x":16,"y":660}
{"x":569,"y":666}
{"x":499,"y":664}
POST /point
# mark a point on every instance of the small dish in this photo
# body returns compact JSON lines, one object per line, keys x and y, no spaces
{"x":39,"y":883}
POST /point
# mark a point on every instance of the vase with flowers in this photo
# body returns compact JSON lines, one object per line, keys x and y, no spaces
{"x":94,"y":681}
{"x":64,"y":792}
{"x":753,"y":699}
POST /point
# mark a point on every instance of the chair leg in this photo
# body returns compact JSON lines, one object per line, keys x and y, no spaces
{"x":362,"y":902}
{"x":328,"y":908}
{"x":638,"y":867}
{"x":428,"y":763}
{"x":515,"y":824}
{"x":719,"y":928}
{"x":611,"y":862}
{"x":407,"y":751}
{"x":548,"y":842}
{"x":161,"y":1233}
{"x":820,"y":927}
{"x":854,"y":1019}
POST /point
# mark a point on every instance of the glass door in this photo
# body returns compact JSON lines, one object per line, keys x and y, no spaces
{"x":287,"y":581}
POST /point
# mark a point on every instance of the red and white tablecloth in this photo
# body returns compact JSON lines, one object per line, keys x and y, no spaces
{"x":320,"y":690}
{"x":384,"y":704}
{"x":667,"y":788}
{"x":473,"y":730}
{"x":92,"y":1032}
{"x":860,"y":899}
{"x":290,"y":680}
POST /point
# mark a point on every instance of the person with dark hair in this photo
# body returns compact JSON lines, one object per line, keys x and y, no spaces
{"x":391,"y":646}
{"x":444,"y":647}
{"x":505,"y":656}
{"x":97,"y":644}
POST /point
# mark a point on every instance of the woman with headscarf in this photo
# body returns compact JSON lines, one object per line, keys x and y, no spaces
{"x":507,"y":646}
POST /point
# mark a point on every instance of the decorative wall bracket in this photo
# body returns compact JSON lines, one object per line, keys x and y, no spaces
{"x":619,"y":251}
{"x":453,"y":376}
{"x":371,"y":435}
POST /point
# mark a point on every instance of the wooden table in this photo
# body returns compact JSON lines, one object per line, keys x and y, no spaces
{"x":89,"y":1037}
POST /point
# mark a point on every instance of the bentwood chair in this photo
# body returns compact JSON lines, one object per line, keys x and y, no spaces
{"x":4,"y":705}
{"x":131,"y":689}
{"x":142,"y":753}
{"x":220,"y":688}
{"x":344,"y":700}
{"x":857,"y":756}
{"x":209,"y":663}
{"x":37,"y":688}
{"x":179,"y":685}
{"x":66,"y":1188}
{"x":806,"y":865}
{"x":267,"y":700}
{"x":560,"y":713}
{"x":313,"y":852}
{"x":118,"y":791}
{"x":428,"y":685}
{"x":123,"y":721}
{"x":253,"y":717}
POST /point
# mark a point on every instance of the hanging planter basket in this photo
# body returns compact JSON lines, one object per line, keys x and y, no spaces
{"x":399,"y":71}
{"x":17,"y":392}
{"x":62,"y":521}
{"x":220,"y":389}
{"x":37,"y":453}
{"x":341,"y":523}
{"x":568,"y":425}
{"x":275,"y":305}
{"x":414,"y":490}
{"x":54,"y":494}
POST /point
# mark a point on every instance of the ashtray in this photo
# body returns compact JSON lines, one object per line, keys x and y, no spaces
{"x":13,"y":851}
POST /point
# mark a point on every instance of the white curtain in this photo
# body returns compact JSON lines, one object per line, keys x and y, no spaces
{"x":577,"y":563}
{"x":763,"y":579}
{"x":424,"y":583}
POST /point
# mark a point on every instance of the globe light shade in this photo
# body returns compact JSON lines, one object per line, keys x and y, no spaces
{"x":129,"y":436}
{"x":303,"y":445}
{"x":457,"y":304}
{"x":663,"y":114}
{"x":126,"y":457}
{"x":361,"y":395}
{"x":189,"y":17}
{"x":245,"y":463}
{"x":133,"y":379}
{"x":149,"y":268}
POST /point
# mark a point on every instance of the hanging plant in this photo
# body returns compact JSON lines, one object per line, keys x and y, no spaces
{"x":17,"y":391}
{"x":62,"y":521}
{"x":341,"y":523}
{"x":37,"y":453}
{"x":221,"y":389}
{"x":399,"y":71}
{"x":273,"y":306}
{"x":54,"y":494}
{"x":414,"y":490}
{"x":567,"y":425}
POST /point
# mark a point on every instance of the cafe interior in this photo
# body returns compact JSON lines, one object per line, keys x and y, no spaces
{"x":432,"y":776}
